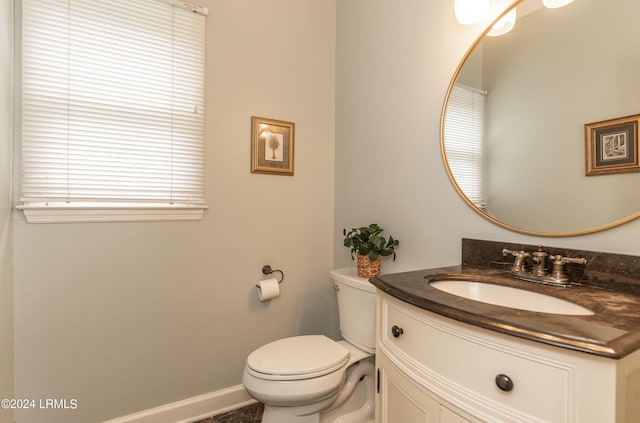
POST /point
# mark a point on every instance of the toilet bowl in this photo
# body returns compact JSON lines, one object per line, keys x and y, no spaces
{"x":313,"y":379}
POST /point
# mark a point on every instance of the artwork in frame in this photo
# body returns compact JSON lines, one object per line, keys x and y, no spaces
{"x":611,"y":146}
{"x":272,"y":145}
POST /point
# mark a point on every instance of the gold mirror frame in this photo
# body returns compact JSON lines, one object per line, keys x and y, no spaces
{"x":462,"y":194}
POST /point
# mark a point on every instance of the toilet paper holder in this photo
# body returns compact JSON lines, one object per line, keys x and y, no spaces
{"x":267,"y":270}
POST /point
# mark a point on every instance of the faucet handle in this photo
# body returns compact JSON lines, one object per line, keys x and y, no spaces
{"x":519,"y":262}
{"x":559,"y":261}
{"x":506,"y":252}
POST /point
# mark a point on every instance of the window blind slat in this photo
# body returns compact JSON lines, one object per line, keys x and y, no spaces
{"x":465,"y":135}
{"x":112,"y":102}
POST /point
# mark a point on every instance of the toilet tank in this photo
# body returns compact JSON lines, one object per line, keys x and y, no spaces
{"x":356,"y":307}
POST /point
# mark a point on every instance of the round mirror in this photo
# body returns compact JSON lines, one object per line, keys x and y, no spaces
{"x":539,"y":131}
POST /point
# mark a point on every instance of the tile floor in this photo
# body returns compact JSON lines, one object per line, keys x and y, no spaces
{"x":250,"y":414}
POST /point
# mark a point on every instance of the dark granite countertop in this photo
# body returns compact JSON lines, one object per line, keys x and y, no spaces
{"x":612,"y":331}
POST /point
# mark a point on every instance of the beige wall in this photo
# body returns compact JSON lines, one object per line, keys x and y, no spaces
{"x":125,"y":317}
{"x":6,"y":230}
{"x":394,"y":64}
{"x":128,"y":316}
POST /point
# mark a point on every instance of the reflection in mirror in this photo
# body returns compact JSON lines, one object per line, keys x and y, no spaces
{"x":556,"y":71}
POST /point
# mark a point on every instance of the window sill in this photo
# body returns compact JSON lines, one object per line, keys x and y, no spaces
{"x":62,"y":213}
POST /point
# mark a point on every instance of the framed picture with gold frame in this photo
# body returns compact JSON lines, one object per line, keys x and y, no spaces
{"x":611,"y":146}
{"x":272,"y":145}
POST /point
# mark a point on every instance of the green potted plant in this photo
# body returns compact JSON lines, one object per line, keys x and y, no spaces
{"x":369,"y":246}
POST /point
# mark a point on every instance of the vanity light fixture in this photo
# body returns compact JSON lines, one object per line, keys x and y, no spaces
{"x":554,"y":4}
{"x":504,"y":25}
{"x":470,"y":11}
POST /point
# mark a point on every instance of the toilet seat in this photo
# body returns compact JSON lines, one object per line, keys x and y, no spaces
{"x":297,"y":358}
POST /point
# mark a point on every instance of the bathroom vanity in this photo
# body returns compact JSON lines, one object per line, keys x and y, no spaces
{"x":444,"y":358}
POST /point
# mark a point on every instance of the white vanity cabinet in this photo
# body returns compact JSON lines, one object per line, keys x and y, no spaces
{"x":401,"y":399}
{"x":432,"y":369}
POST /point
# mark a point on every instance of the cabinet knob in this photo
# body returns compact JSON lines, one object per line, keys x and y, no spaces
{"x":504,"y":383}
{"x":396,"y":331}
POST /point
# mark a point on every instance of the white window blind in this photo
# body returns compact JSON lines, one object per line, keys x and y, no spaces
{"x":465,"y":146}
{"x":112,"y":110}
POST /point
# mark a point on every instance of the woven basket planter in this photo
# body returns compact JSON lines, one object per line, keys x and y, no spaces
{"x":368,"y":268}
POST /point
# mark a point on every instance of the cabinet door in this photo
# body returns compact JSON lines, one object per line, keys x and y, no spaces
{"x":448,"y":416}
{"x":400,"y":400}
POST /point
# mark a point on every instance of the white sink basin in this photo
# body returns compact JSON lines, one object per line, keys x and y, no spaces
{"x":506,"y":296}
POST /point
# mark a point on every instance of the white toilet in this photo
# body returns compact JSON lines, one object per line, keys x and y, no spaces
{"x":313,"y":379}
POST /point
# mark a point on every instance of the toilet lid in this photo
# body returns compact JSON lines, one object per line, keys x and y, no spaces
{"x":298,"y":357}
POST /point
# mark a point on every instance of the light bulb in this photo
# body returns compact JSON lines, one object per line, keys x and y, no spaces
{"x":504,"y":25}
{"x":470,"y":11}
{"x":554,"y":4}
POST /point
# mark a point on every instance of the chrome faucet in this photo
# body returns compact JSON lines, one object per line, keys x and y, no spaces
{"x":534,"y":267}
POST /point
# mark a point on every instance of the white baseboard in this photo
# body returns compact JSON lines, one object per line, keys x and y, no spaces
{"x":192,"y":409}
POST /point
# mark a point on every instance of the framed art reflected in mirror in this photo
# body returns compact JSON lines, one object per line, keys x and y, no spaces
{"x":611,"y":146}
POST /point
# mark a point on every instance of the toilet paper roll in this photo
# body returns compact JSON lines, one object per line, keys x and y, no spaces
{"x":268,"y":289}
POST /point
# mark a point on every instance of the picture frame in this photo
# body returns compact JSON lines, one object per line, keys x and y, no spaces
{"x":272,"y":146}
{"x":611,"y":146}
